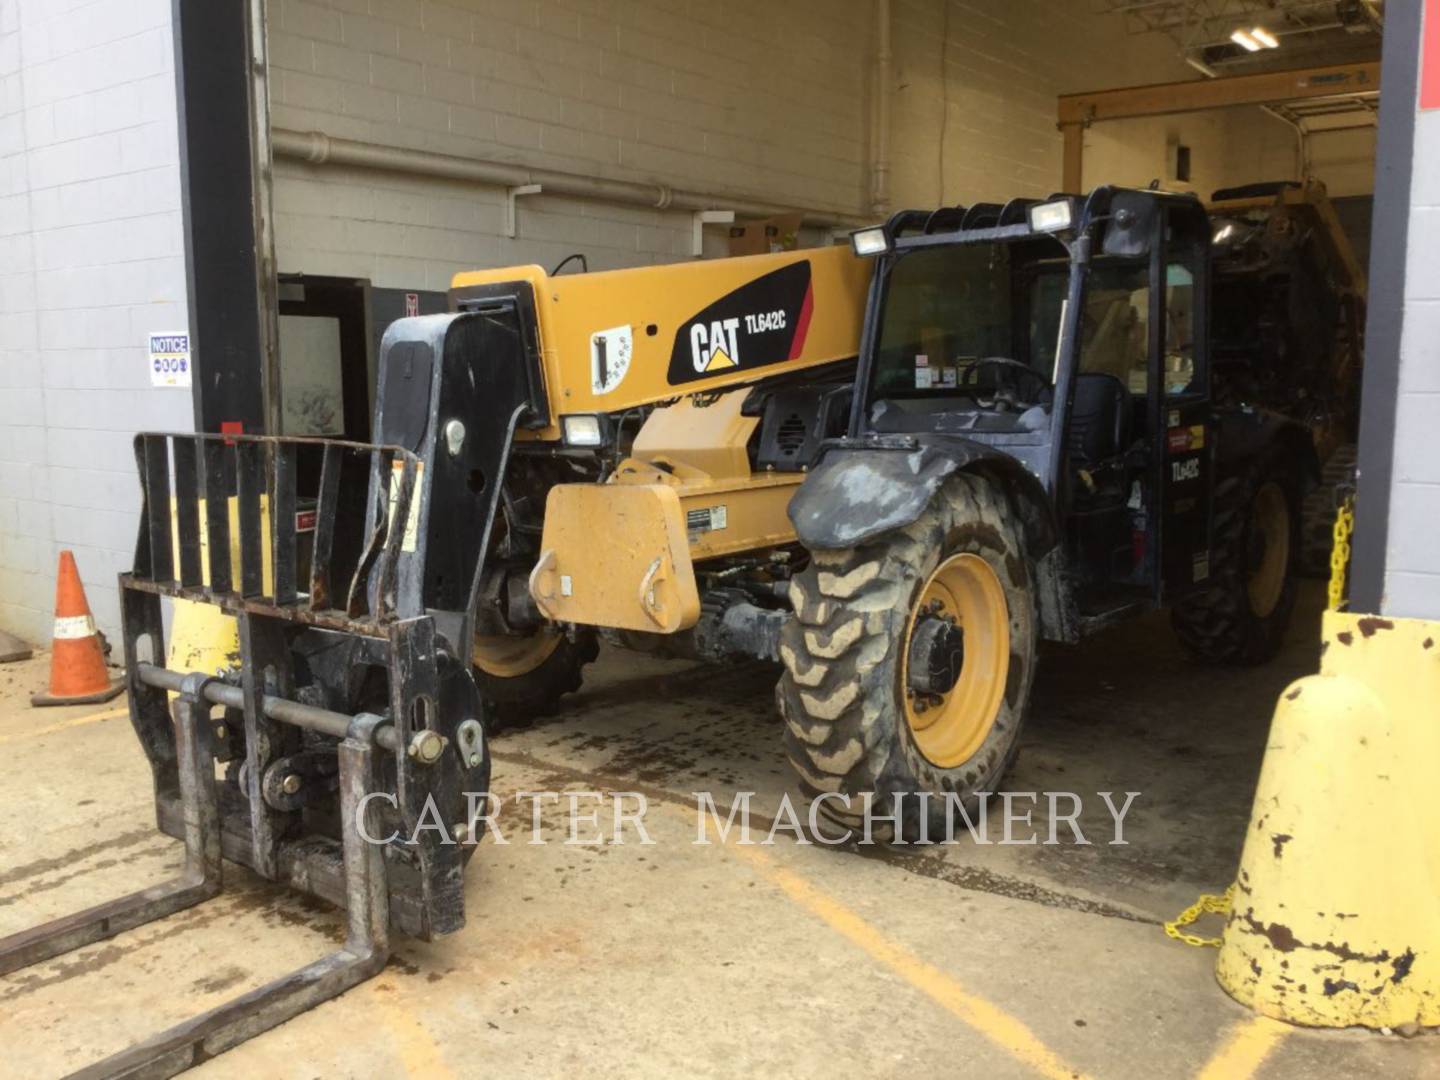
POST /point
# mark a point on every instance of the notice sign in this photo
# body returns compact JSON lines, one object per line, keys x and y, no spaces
{"x":170,"y":358}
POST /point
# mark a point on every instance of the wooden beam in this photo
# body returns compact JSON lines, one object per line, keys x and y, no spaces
{"x":1195,"y":95}
{"x":1074,"y":163}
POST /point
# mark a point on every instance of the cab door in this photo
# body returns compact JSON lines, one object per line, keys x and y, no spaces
{"x":1179,"y":386}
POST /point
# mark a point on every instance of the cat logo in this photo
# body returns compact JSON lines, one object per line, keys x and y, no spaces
{"x":714,"y":347}
{"x":763,"y":322}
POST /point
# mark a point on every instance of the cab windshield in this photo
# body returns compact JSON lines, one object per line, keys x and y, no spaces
{"x":952,"y":313}
{"x":982,"y":322}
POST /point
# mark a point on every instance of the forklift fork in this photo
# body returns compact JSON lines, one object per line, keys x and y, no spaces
{"x":367,"y":942}
{"x":370,"y":613}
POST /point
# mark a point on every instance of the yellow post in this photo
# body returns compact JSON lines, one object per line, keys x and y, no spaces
{"x":1073,"y":160}
{"x":203,"y":637}
{"x":1336,"y":916}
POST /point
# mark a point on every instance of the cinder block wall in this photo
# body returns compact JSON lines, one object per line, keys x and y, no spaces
{"x":91,"y":261}
{"x":752,"y":97}
{"x":767,"y":99}
{"x":974,"y":109}
{"x":975,"y":90}
{"x":770,"y":100}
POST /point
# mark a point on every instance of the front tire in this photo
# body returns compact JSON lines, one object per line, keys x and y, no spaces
{"x":523,"y":678}
{"x":854,"y":724}
{"x":1241,"y":614}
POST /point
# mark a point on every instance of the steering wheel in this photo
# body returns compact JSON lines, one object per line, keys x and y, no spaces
{"x":1005,"y":363}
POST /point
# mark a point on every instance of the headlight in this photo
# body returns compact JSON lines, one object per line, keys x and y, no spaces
{"x":583,"y":431}
{"x":870,"y":241}
{"x":1051,"y":216}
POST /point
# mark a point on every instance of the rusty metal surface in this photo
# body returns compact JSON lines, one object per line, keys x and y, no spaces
{"x":366,"y":898}
{"x":254,"y":480}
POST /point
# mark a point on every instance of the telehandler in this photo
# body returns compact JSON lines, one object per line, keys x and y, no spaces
{"x":1290,"y":301}
{"x":692,"y":459}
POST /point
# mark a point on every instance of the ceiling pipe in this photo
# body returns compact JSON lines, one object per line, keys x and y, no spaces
{"x":318,"y":148}
{"x":1302,"y":148}
{"x":263,"y":185}
{"x":880,"y":165}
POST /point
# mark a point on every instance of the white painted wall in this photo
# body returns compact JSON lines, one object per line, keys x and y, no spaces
{"x":91,"y":260}
{"x":1412,"y":559}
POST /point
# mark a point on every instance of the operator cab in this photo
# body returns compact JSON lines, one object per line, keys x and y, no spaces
{"x":982,"y":320}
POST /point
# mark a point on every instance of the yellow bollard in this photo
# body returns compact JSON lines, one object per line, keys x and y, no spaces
{"x":1336,"y":917}
{"x":203,"y":637}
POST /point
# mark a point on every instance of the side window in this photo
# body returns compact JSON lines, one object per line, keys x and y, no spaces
{"x":1047,"y":306}
{"x":1179,"y":328}
{"x":312,"y":400}
{"x":1115,"y":328}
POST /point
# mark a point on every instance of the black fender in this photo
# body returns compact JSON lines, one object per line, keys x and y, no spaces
{"x":1244,"y":434}
{"x":859,"y":489}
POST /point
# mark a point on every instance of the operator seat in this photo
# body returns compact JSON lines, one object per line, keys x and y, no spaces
{"x":1100,"y":420}
{"x":1100,"y":435}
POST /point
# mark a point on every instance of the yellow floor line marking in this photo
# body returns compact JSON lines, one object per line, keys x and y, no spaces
{"x":418,"y":1051}
{"x":1249,"y":1044}
{"x":66,"y":725}
{"x":988,"y":1019}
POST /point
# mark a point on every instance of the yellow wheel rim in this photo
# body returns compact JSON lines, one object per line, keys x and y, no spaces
{"x":508,"y":657}
{"x":1267,"y":578}
{"x":949,"y":733}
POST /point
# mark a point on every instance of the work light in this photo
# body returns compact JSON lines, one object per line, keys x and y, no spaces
{"x":1051,"y":216}
{"x":871,"y":241}
{"x":583,"y":430}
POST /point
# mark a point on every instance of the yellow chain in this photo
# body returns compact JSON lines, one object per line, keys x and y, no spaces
{"x":1340,"y":552}
{"x":1207,"y":904}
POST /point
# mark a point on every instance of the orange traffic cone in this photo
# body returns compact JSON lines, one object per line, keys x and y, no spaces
{"x":77,"y":664}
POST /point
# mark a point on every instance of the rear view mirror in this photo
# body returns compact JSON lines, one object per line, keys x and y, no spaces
{"x":1132,"y":219}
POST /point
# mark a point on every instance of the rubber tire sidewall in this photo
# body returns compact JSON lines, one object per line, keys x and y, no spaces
{"x":518,"y":701}
{"x":868,"y":749}
{"x":1216,"y":624}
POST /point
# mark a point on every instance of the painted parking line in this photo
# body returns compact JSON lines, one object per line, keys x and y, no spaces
{"x":984,"y":1016}
{"x":1249,"y":1043}
{"x":65,"y":725}
{"x":419,"y":1054}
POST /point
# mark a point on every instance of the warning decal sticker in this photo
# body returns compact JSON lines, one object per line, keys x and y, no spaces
{"x":610,"y":352}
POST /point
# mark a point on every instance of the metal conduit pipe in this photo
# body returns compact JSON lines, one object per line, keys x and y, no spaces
{"x":317,"y":148}
{"x":880,"y":166}
{"x":309,"y":717}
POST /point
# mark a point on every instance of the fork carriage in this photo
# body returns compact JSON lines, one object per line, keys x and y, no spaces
{"x":347,"y":710}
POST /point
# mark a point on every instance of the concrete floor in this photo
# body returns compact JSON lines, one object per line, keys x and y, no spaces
{"x":677,"y":959}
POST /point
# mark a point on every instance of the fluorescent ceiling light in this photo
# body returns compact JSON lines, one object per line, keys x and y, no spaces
{"x":1264,"y":37}
{"x":1245,"y":41}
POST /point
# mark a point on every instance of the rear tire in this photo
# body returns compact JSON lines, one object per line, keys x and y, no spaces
{"x":516,"y":696}
{"x":1241,"y":614}
{"x":849,"y":726}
